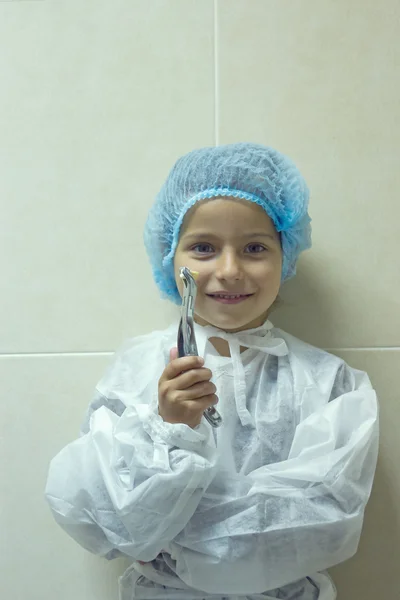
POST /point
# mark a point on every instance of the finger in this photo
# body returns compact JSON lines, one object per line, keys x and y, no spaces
{"x":201,"y":404}
{"x":195,"y":392}
{"x":190,"y":378}
{"x":173,"y":354}
{"x":178,"y":365}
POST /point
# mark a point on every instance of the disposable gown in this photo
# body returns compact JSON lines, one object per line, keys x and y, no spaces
{"x":255,"y":509}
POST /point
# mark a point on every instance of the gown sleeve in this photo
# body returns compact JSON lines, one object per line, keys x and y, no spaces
{"x":130,"y":482}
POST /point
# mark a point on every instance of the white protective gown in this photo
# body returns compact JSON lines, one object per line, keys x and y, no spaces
{"x":255,"y":509}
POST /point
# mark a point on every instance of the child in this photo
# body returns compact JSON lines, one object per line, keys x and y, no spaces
{"x":259,"y":507}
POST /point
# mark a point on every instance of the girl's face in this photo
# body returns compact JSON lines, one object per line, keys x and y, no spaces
{"x":235,"y":248}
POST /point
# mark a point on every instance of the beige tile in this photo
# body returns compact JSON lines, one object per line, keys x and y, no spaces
{"x":43,"y":403}
{"x":374,"y":572}
{"x":98,"y":100}
{"x":320,"y":82}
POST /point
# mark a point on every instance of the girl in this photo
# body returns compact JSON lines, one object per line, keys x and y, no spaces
{"x":259,"y":507}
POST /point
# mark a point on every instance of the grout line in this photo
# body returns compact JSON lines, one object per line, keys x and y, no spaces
{"x":367,"y":349}
{"x":47,"y":354}
{"x":216,"y":75}
{"x":111,"y":352}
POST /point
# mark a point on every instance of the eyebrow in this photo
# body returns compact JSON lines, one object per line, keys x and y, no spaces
{"x":204,"y":234}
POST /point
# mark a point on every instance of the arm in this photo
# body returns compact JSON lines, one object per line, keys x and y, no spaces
{"x":131,"y":482}
{"x":288,"y":520}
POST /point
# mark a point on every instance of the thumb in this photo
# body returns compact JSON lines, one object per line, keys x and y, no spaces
{"x":173,"y":353}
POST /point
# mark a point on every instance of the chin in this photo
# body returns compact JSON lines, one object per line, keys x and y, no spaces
{"x":226,"y":322}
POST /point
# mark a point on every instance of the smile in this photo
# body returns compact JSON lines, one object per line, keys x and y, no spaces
{"x":229,"y":299}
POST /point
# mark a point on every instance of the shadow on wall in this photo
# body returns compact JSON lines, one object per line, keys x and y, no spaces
{"x":102,"y":576}
{"x":314,"y":311}
{"x":310,"y":306}
{"x":333,"y":306}
{"x":375,"y":566}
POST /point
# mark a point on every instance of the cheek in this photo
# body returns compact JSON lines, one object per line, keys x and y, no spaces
{"x":181,"y":260}
{"x":270,"y":277}
{"x":178,"y":280}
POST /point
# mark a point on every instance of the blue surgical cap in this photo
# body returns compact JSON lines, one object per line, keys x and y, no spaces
{"x":247,"y":171}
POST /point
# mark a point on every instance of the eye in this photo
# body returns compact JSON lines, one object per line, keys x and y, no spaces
{"x":256,"y":246}
{"x":200,"y":246}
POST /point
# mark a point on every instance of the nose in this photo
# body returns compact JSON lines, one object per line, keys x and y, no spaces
{"x":228,"y":266}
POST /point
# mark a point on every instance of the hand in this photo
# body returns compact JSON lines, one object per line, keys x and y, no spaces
{"x":185,"y":390}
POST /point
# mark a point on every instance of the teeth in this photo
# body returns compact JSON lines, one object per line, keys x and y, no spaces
{"x":227,"y":297}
